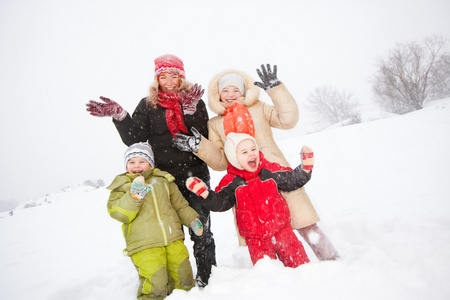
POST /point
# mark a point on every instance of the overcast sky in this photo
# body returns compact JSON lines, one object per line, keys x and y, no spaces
{"x":55,"y":55}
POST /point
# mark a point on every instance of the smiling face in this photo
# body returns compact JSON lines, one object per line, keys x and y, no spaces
{"x":169,"y":82}
{"x":229,"y":94}
{"x":137,"y":165}
{"x":247,"y":155}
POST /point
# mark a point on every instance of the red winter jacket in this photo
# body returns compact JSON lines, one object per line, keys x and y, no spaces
{"x":261,"y":211}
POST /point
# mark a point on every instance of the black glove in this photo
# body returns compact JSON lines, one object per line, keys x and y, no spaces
{"x":187,"y":143}
{"x":269,"y":78}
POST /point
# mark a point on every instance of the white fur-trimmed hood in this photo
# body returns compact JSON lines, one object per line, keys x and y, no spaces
{"x":250,"y":97}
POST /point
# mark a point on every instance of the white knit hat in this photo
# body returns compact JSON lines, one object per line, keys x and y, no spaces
{"x":232,"y":79}
{"x":233,"y":140}
{"x":140,"y":150}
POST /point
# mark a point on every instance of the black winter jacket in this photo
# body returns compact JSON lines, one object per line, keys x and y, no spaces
{"x":148,"y":124}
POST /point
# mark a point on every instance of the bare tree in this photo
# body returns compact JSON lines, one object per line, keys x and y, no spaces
{"x":411,"y":74}
{"x":440,"y":81}
{"x":331,"y":106}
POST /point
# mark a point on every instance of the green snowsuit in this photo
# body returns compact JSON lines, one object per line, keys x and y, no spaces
{"x":153,"y":232}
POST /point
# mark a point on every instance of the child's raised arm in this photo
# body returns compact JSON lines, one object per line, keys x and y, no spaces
{"x":221,"y":200}
{"x":197,"y":186}
{"x":291,"y":180}
{"x":139,"y":189}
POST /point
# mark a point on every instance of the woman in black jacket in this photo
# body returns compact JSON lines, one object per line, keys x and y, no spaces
{"x":173,"y":106}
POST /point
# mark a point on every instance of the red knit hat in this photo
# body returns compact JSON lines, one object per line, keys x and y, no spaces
{"x":169,"y":63}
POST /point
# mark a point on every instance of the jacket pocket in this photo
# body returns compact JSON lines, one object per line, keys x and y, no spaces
{"x":247,"y":224}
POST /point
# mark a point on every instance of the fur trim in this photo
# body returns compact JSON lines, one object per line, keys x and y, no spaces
{"x":250,"y":97}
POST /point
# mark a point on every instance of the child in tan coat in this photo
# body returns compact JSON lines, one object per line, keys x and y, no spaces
{"x":231,"y":86}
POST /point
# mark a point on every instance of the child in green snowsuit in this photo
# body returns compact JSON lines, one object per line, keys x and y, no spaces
{"x":152,"y":209}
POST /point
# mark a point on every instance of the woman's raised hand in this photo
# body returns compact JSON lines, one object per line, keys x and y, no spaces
{"x":269,"y":78}
{"x":107,"y":108}
{"x":190,"y":99}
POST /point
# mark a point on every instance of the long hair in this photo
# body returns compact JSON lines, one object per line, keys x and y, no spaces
{"x":152,"y":98}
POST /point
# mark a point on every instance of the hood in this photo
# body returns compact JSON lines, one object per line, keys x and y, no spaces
{"x":250,"y":97}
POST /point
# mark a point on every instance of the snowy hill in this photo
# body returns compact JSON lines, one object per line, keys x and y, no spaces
{"x":382,"y":191}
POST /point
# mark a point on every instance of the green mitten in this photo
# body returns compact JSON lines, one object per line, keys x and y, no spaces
{"x":139,"y":189}
{"x":197,"y":227}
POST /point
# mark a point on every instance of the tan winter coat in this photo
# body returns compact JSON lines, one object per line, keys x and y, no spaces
{"x":282,"y":115}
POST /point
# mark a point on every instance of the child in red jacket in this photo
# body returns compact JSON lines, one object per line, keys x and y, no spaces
{"x":253,"y":186}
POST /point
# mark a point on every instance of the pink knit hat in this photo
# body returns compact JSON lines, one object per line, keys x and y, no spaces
{"x":169,"y":63}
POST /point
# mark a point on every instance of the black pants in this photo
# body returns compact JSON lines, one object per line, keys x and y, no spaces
{"x":204,"y":246}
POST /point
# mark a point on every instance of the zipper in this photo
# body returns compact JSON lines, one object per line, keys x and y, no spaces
{"x":158,"y":216}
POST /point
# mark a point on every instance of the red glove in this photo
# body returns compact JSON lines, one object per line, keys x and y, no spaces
{"x":307,"y":157}
{"x":108,"y":109}
{"x":189,"y":100}
{"x":197,"y":186}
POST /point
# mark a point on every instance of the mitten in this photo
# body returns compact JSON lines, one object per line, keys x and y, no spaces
{"x":139,"y":189}
{"x":189,"y":100}
{"x":307,"y":158}
{"x":108,"y":109}
{"x":197,"y":186}
{"x":186,"y":142}
{"x":269,"y":78}
{"x":197,"y":227}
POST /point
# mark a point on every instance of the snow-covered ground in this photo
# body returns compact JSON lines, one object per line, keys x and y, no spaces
{"x":382,"y":189}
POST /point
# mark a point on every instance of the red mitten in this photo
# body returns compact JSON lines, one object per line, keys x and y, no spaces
{"x":108,"y":109}
{"x":307,"y":157}
{"x":196,"y":185}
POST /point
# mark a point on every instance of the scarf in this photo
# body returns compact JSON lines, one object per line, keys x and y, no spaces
{"x":174,"y":116}
{"x":246,"y":175}
{"x":238,"y":119}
